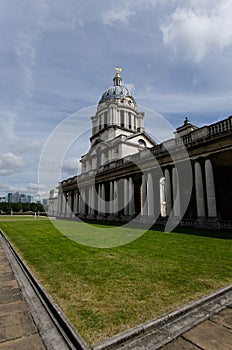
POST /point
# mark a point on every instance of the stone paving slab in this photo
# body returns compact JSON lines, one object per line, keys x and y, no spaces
{"x":10,"y":295}
{"x":6,"y":276}
{"x":223,"y":318}
{"x":32,"y":342}
{"x":210,"y":336}
{"x":180,"y":344}
{"x":12,"y":308}
{"x":17,"y":329}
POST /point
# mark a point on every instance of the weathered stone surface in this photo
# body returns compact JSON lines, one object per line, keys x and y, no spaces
{"x":223,"y":318}
{"x":27,"y":343}
{"x":10,"y":295}
{"x":6,"y":275}
{"x":6,"y":285}
{"x":180,"y":344}
{"x":17,"y":325}
{"x":12,"y":308}
{"x":210,"y":336}
{"x":3,"y":258}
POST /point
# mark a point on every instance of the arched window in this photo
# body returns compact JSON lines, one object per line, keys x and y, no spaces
{"x":142,"y":142}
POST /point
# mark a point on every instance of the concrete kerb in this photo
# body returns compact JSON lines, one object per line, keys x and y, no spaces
{"x":167,"y":327}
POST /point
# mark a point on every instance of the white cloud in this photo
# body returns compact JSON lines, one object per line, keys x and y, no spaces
{"x":4,"y":187}
{"x":71,"y":166}
{"x":122,"y":11}
{"x":26,"y":57}
{"x":130,"y":87}
{"x":195,"y":32}
{"x":9,"y":163}
{"x":7,"y":123}
{"x":22,"y":147}
{"x":112,"y":15}
{"x":33,"y":186}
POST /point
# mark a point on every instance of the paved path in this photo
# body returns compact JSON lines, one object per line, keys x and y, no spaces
{"x":212,"y":334}
{"x":17,"y":329}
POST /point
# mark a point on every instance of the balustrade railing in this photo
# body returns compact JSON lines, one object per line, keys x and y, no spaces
{"x":224,"y":125}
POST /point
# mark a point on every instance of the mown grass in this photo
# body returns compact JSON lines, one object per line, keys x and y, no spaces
{"x":106,"y":291}
{"x":22,"y":217}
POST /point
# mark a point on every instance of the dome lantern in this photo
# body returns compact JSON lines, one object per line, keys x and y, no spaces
{"x":117,"y":79}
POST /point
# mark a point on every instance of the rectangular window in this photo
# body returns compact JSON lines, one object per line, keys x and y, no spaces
{"x":122,"y":119}
{"x":105,"y":120}
{"x":129,"y":120}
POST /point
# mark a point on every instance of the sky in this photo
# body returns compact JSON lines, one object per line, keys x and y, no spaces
{"x":58,"y":57}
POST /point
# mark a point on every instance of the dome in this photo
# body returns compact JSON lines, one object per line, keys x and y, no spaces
{"x":118,"y":91}
{"x":115,"y":92}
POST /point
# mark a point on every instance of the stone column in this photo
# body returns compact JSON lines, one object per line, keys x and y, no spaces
{"x":74,"y":202}
{"x":90,"y":198}
{"x":99,"y":199}
{"x":78,"y":202}
{"x":111,"y":116}
{"x":67,"y":211}
{"x":94,"y":199}
{"x":168,"y":192}
{"x":126,"y":119}
{"x":116,"y":197}
{"x":103,"y":199}
{"x":82,"y":201}
{"x":131,"y":197}
{"x":176,"y":193}
{"x":59,"y":209}
{"x":156,"y":190}
{"x":210,"y":189}
{"x":144,"y":204}
{"x":199,"y":191}
{"x":111,"y":208}
{"x":126,"y":192}
{"x":63,"y":203}
{"x":162,"y":197}
{"x":150,"y":195}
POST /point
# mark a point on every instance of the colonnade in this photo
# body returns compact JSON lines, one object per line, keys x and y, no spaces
{"x":117,"y":116}
{"x":205,"y":189}
{"x":149,"y":194}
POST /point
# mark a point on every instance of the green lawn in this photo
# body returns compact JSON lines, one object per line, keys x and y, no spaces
{"x":106,"y":291}
{"x":22,"y":217}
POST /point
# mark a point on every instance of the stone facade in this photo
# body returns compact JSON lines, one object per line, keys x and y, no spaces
{"x":126,"y":176}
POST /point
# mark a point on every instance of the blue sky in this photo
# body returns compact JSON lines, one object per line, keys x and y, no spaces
{"x":57,"y":57}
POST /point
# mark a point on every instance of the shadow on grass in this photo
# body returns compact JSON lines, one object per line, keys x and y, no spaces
{"x":213,"y":233}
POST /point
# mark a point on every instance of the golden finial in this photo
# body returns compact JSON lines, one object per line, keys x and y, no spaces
{"x":118,"y":69}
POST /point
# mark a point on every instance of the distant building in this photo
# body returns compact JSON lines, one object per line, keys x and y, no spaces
{"x":9,"y":197}
{"x":53,"y":202}
{"x":22,"y":198}
{"x":29,"y":199}
{"x":127,"y":176}
{"x":16,"y":197}
{"x":2,"y":199}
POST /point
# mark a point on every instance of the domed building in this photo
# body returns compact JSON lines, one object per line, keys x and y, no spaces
{"x":126,"y":176}
{"x":117,"y":128}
